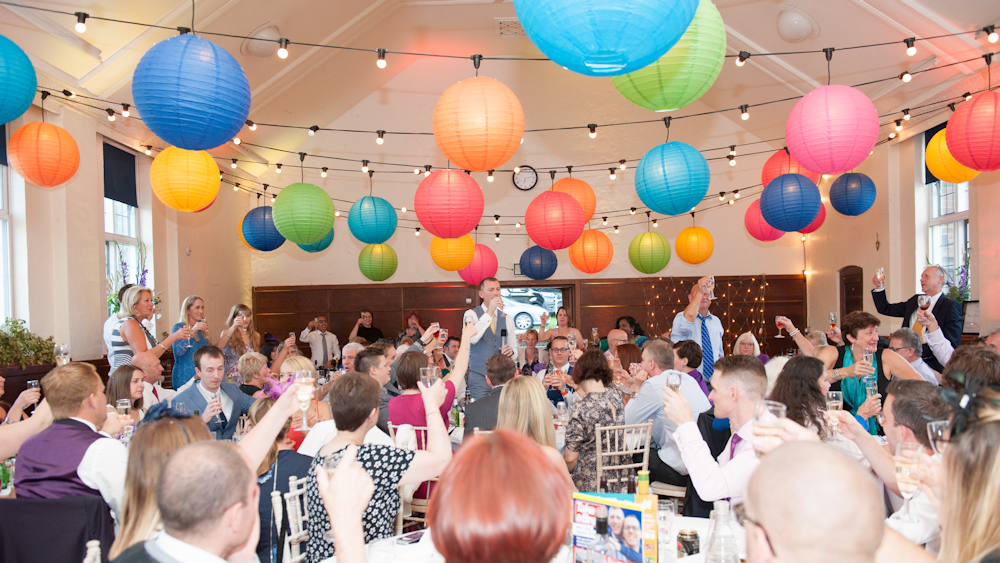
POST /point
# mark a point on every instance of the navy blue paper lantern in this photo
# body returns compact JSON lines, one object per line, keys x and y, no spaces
{"x":191,"y":92}
{"x":17,"y":81}
{"x":790,"y":202}
{"x":672,"y":178}
{"x":604,"y":37}
{"x":538,"y":263}
{"x":852,"y":194}
{"x":372,"y":220}
{"x":323,"y":244}
{"x":259,"y":230}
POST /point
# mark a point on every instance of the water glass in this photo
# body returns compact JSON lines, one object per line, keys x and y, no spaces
{"x":428,"y":376}
{"x":382,"y":551}
{"x":562,"y":413}
{"x":939,"y":432}
{"x":674,"y":381}
{"x":834,"y":404}
{"x":665,"y":539}
{"x":34,"y":384}
{"x":61,"y":352}
{"x":124,"y":408}
{"x":767,"y":421}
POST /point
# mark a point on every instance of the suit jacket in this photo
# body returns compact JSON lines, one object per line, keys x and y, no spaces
{"x":194,"y":401}
{"x":482,"y":414}
{"x":947,"y":312}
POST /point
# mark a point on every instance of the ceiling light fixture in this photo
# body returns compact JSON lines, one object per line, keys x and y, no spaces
{"x":593,"y":130}
{"x":381,"y":58}
{"x":81,"y":21}
{"x":742,"y":59}
{"x":282,"y":48}
{"x":251,"y":125}
{"x":911,"y":49}
{"x":125,"y":112}
{"x":745,"y":112}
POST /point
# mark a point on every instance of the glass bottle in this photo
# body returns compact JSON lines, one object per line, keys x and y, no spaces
{"x":722,"y":548}
{"x":602,"y":549}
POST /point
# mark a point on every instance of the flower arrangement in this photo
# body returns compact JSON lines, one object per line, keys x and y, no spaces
{"x":120,"y":277}
{"x":960,"y":290}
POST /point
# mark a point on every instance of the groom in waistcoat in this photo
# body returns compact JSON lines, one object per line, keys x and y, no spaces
{"x":491,"y":324}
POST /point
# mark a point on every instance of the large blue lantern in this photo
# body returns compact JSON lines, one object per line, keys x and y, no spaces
{"x":259,"y":230}
{"x":538,"y":263}
{"x":672,"y":178}
{"x":790,"y":202}
{"x":852,"y":194}
{"x":372,"y":220}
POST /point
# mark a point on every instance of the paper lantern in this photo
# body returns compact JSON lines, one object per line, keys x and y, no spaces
{"x":239,"y":230}
{"x":484,"y":265}
{"x":448,"y":203}
{"x":604,"y":37}
{"x":672,"y":178}
{"x":649,"y":252}
{"x":688,"y":69}
{"x":592,"y":252}
{"x":782,"y":162}
{"x":973,"y":132}
{"x":554,"y":220}
{"x":17,"y":81}
{"x":207,"y":206}
{"x":790,"y":202}
{"x":303,"y":213}
{"x":453,"y":254}
{"x":185,"y":180}
{"x":478,"y":123}
{"x":377,"y":262}
{"x":817,"y":222}
{"x":581,"y":192}
{"x":538,"y":263}
{"x":694,"y":245}
{"x":372,"y":220}
{"x":259,"y":231}
{"x":43,"y":154}
{"x":191,"y":92}
{"x":852,"y":194}
{"x":832,"y":129}
{"x":323,"y":244}
{"x":943,"y":165}
{"x":757,"y":226}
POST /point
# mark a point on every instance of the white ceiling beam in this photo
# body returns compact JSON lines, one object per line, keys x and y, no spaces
{"x":924,"y":64}
{"x":49,"y":26}
{"x":754,"y":47}
{"x":930,"y":16}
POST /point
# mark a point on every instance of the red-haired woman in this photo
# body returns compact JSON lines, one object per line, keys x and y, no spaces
{"x":413,"y":327}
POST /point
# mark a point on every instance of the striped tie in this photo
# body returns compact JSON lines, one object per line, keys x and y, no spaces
{"x":707,"y":351}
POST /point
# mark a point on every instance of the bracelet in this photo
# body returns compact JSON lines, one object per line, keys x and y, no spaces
{"x":161,"y":346}
{"x":9,"y":420}
{"x":836,"y":376}
{"x":793,"y":333}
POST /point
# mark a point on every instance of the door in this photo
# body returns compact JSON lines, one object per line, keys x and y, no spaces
{"x":851,"y":290}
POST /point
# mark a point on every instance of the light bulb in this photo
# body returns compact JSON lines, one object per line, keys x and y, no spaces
{"x":722,"y":196}
{"x":742,"y":58}
{"x":402,"y":210}
{"x":381,"y":137}
{"x":496,"y":237}
{"x":111,"y":114}
{"x":237,"y":140}
{"x":911,"y":49}
{"x":81,"y":22}
{"x":967,"y":96}
{"x":656,"y":223}
{"x":427,"y":173}
{"x":517,"y":170}
{"x":235,"y":189}
{"x":417,"y":231}
{"x":906,"y":77}
{"x":496,"y":219}
{"x":517,"y":225}
{"x":899,"y":125}
{"x":892,"y":134}
{"x":364,"y":166}
{"x":730,"y":202}
{"x":631,"y":211}
{"x":149,"y":150}
{"x":906,"y":114}
{"x":802,"y":238}
{"x":744,"y":112}
{"x":251,"y":125}
{"x":233,"y":165}
{"x":489,"y":178}
{"x":278,"y":168}
{"x":336,"y":213}
{"x":380,"y":62}
{"x":732,"y":160}
{"x":605,"y":221}
{"x":621,"y":164}
{"x":313,"y":130}
{"x":613,"y":175}
{"x":282,"y":48}
{"x":522,"y":141}
{"x":272,"y":199}
{"x":323,"y":173}
{"x":593,"y":130}
{"x":416,"y":171}
{"x":991,"y":34}
{"x":125,"y":112}
{"x":736,"y":194}
{"x":732,"y":150}
{"x":616,"y":229}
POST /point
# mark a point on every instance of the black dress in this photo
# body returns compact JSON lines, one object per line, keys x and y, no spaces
{"x":288,"y":464}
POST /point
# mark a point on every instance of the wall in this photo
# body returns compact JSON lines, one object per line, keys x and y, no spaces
{"x":987,"y":214}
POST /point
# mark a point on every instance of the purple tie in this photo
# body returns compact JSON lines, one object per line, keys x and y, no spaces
{"x":732,"y":445}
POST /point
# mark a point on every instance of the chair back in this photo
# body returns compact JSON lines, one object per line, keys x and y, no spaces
{"x":297,"y":515}
{"x":405,"y":515}
{"x":44,"y":530}
{"x":616,"y":448}
{"x":476,"y":431}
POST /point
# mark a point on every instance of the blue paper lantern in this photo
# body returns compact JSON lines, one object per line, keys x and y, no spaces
{"x":323,"y":244}
{"x":672,"y":178}
{"x":191,"y":92}
{"x":604,"y":37}
{"x":372,"y":220}
{"x":259,"y":230}
{"x":852,"y":194}
{"x":17,"y":81}
{"x":790,"y":202}
{"x":538,"y":263}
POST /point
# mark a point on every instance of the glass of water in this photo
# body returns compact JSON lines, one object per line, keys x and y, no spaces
{"x":124,"y":408}
{"x":666,"y":540}
{"x":428,"y":376}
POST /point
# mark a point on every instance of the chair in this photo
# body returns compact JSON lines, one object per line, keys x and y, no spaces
{"x":297,"y":534}
{"x":27,"y":529}
{"x":93,"y":552}
{"x":476,"y":431}
{"x":417,"y":505}
{"x":617,"y":444}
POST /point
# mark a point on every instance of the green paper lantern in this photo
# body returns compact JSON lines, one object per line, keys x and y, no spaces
{"x":688,"y":69}
{"x":649,"y":252}
{"x":303,"y":213}
{"x":377,"y":262}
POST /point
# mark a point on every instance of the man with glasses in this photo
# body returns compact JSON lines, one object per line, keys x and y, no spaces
{"x":907,"y":343}
{"x":324,"y":345}
{"x":559,"y":356}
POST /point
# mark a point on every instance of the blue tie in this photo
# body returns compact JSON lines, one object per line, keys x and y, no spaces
{"x":707,"y":351}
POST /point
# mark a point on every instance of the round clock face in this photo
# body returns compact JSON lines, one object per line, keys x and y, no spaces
{"x":526,"y":178}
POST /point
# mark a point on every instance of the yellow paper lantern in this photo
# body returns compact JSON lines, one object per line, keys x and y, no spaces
{"x":184,"y":180}
{"x":694,"y":245}
{"x":478,"y":123}
{"x":581,"y":192}
{"x":453,"y":254}
{"x":942,"y":165}
{"x":592,"y":252}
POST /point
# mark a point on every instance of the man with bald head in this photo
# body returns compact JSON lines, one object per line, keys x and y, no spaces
{"x":696,"y":323}
{"x":152,"y":377}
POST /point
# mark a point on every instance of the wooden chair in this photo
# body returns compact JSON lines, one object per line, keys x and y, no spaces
{"x":616,"y":446}
{"x":297,"y":515}
{"x":664,"y":490}
{"x":476,"y":431}
{"x":417,"y":505}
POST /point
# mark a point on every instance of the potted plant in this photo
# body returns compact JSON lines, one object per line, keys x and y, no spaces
{"x":18,"y":346}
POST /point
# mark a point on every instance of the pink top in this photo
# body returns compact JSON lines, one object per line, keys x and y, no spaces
{"x":409,"y":409}
{"x":727,"y":477}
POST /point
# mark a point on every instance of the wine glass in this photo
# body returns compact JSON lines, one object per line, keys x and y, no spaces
{"x":61,"y":352}
{"x":215,"y":397}
{"x":428,"y":376}
{"x":596,"y":337}
{"x":710,"y":288}
{"x":868,"y":355}
{"x":924,"y":302}
{"x":243,"y":321}
{"x":939,"y":431}
{"x":777,"y":321}
{"x":907,"y":460}
{"x":188,"y":340}
{"x":834,"y":404}
{"x":124,"y":408}
{"x":673,"y":381}
{"x":833,"y":320}
{"x":572,"y":340}
{"x":880,"y":275}
{"x":562,"y":413}
{"x":34,"y":384}
{"x":304,"y":394}
{"x":767,"y":417}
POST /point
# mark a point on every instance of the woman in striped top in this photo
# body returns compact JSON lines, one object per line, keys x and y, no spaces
{"x":129,"y":337}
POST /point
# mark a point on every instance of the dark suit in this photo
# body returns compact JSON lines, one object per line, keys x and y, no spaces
{"x":194,"y":401}
{"x":482,"y":414}
{"x":947,"y":312}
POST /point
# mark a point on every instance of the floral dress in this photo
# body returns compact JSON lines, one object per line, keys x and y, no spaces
{"x":605,"y":408}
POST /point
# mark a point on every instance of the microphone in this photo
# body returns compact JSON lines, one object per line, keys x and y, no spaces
{"x":503,"y":338}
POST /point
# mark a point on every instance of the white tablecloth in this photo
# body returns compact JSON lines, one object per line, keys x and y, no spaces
{"x":457,"y":434}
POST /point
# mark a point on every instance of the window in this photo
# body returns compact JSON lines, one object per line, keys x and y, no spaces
{"x":5,"y":281}
{"x":949,"y":225}
{"x":123,"y":257}
{"x":527,"y":304}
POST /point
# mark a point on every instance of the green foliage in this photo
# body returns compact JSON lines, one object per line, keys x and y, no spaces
{"x":19,"y":346}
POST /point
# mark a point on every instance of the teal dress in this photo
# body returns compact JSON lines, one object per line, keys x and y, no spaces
{"x":854,"y":388}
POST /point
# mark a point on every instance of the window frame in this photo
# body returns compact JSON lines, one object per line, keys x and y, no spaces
{"x":6,"y":297}
{"x":958,"y":218}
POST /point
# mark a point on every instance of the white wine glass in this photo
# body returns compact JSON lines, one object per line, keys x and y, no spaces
{"x":217,"y":420}
{"x":939,"y":432}
{"x":304,"y":394}
{"x":907,"y":461}
{"x":767,"y":421}
{"x":710,"y":288}
{"x":834,"y":404}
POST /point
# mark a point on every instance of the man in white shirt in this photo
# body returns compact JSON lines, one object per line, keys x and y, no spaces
{"x":739,"y":382}
{"x":324,"y":345}
{"x":696,"y":323}
{"x":907,"y":344}
{"x":152,"y":376}
{"x":665,"y":463}
{"x":494,"y":334}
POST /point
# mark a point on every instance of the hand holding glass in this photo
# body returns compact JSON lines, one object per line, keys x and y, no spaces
{"x":834,"y":404}
{"x":907,"y":460}
{"x":304,"y":394}
{"x":924,"y":302}
{"x":767,"y":420}
{"x":428,"y":376}
{"x":833,"y":320}
{"x":124,"y":408}
{"x":34,"y":384}
{"x":777,"y":322}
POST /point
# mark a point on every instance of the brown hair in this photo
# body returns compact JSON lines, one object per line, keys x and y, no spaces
{"x":797,"y":387}
{"x":256,"y":414}
{"x":120,"y":385}
{"x":236,"y":342}
{"x":747,"y":371}
{"x":629,"y":354}
{"x":406,"y":319}
{"x":500,"y":369}
{"x":199,"y":482}
{"x":972,"y":361}
{"x":408,"y":369}
{"x":68,"y":386}
{"x":690,"y":351}
{"x":209,"y":350}
{"x":914,"y":404}
{"x":353,"y":396}
{"x":592,"y":365}
{"x":856,"y":321}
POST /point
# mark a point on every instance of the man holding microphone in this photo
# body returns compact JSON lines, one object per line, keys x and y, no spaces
{"x":494,"y":335}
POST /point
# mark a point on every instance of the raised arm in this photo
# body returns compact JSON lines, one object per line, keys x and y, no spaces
{"x":258,"y":441}
{"x":13,"y":435}
{"x":894,"y":365}
{"x":691,"y":311}
{"x":432,"y":461}
{"x":800,"y":340}
{"x":354,"y":331}
{"x":461,"y":365}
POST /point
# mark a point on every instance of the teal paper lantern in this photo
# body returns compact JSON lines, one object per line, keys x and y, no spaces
{"x":649,"y":252}
{"x":323,"y":244}
{"x":303,"y":213}
{"x":672,"y":178}
{"x":790,"y":202}
{"x":259,"y":231}
{"x":377,"y":262}
{"x":17,"y":81}
{"x":372,"y":220}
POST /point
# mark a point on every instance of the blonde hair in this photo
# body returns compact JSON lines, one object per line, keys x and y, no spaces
{"x":236,"y":342}
{"x":524,"y":408}
{"x":746,"y":336}
{"x":256,"y":414}
{"x":185,"y":319}
{"x":250,"y":365}
{"x":68,"y":386}
{"x":130,"y":299}
{"x":298,"y":363}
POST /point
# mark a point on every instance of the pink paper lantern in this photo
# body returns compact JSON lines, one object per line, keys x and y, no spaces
{"x":449,"y":203}
{"x":758,"y":228}
{"x":973,"y":132}
{"x":554,"y":220}
{"x":484,"y":265}
{"x":782,"y":162}
{"x":817,"y":222}
{"x":832,"y":129}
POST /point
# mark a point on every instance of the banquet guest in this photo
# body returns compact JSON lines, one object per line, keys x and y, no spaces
{"x":739,"y":382}
{"x":316,"y":412}
{"x":747,"y":345}
{"x":564,"y":327}
{"x":633,"y":330}
{"x":616,"y":337}
{"x":529,"y":359}
{"x":349,"y":352}
{"x":491,"y":322}
{"x":324,"y":345}
{"x":346,"y":495}
{"x":629,"y":354}
{"x":240,"y":337}
{"x":126,"y":382}
{"x":482,"y":414}
{"x":560,"y":366}
{"x":129,"y":337}
{"x":11,"y":414}
{"x":212,"y":396}
{"x":192,"y":316}
{"x":363,"y":328}
{"x":773,"y":370}
{"x":111,"y":321}
{"x":525,"y":409}
{"x":413,"y":327}
{"x":970,"y":360}
{"x":687,"y":359}
{"x":696,"y":323}
{"x":907,"y":344}
{"x":152,"y":376}
{"x":817,"y":338}
{"x":601,"y":404}
{"x":254,"y":373}
{"x":372,"y":362}
{"x":450,"y":350}
{"x":426,"y":343}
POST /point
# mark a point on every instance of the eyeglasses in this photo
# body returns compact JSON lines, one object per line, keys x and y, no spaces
{"x":559,"y":350}
{"x":896,"y":350}
{"x":743,"y":518}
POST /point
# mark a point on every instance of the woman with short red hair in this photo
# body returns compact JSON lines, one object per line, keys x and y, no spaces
{"x":413,"y":327}
{"x":485,"y":510}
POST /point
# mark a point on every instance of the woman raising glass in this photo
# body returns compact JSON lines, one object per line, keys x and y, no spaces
{"x":413,"y":325}
{"x":193,"y":317}
{"x":317,"y":411}
{"x":564,"y":327}
{"x":240,"y":337}
{"x":125,"y":383}
{"x":129,"y":337}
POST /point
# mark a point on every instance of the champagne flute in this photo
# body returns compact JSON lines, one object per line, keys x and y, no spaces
{"x":868,"y":355}
{"x":767,"y":417}
{"x":188,"y":339}
{"x":124,"y":408}
{"x":907,"y":460}
{"x":596,"y":337}
{"x":243,"y":321}
{"x":710,"y":288}
{"x":924,"y":302}
{"x":330,"y":465}
{"x":939,"y":431}
{"x":834,"y":404}
{"x":304,"y":394}
{"x":562,"y":413}
{"x":673,"y":382}
{"x":215,"y":397}
{"x":833,"y":320}
{"x":777,"y":321}
{"x":871,"y":389}
{"x":880,"y":275}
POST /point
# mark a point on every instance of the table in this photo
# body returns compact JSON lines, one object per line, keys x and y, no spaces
{"x":457,"y":434}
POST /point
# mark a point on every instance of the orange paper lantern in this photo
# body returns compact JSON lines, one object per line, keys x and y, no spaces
{"x":592,"y":252}
{"x":581,"y":192}
{"x":453,"y":254}
{"x":478,"y":123}
{"x":694,"y":245}
{"x":43,"y":154}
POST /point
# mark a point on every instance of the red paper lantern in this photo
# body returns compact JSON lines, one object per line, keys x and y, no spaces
{"x":782,"y":162}
{"x":209,"y":205}
{"x":581,"y":192}
{"x":758,"y":228}
{"x":449,"y":203}
{"x":817,"y":222}
{"x":592,"y":252}
{"x":484,"y":265}
{"x":478,"y":123}
{"x":973,"y":132}
{"x":554,"y":220}
{"x":43,"y":154}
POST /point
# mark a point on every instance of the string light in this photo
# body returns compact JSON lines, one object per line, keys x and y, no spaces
{"x":736,"y":194}
{"x":381,"y":137}
{"x":906,"y":114}
{"x":496,"y":237}
{"x":278,"y":168}
{"x":417,"y":231}
{"x":69,"y":94}
{"x":732,"y":150}
{"x":237,"y":140}
{"x":621,"y":164}
{"x":730,"y":202}
{"x":236,"y":188}
{"x":496,"y":219}
{"x":282,"y":48}
{"x":313,"y":130}
{"x":111,"y":114}
{"x":911,"y":49}
{"x":251,"y":125}
{"x":381,"y":58}
{"x":402,"y":209}
{"x":489,"y":178}
{"x":656,"y":223}
{"x":991,"y":34}
{"x":272,"y":201}
{"x":336,"y":213}
{"x":427,"y":170}
{"x":517,"y":170}
{"x":81,"y":21}
{"x":967,"y":96}
{"x":892,"y":135}
{"x":125,"y":112}
{"x":323,"y":173}
{"x":364,"y":166}
{"x":952,"y":106}
{"x":732,"y":160}
{"x":802,"y":238}
{"x":742,"y":59}
{"x":722,"y":196}
{"x":906,"y":77}
{"x":593,"y":130}
{"x":616,"y":229}
{"x":416,"y":171}
{"x":613,"y":175}
{"x":149,"y":149}
{"x":899,"y":125}
{"x":604,"y":221}
{"x":631,"y":211}
{"x":233,"y":165}
{"x":745,"y":112}
{"x":517,"y":225}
